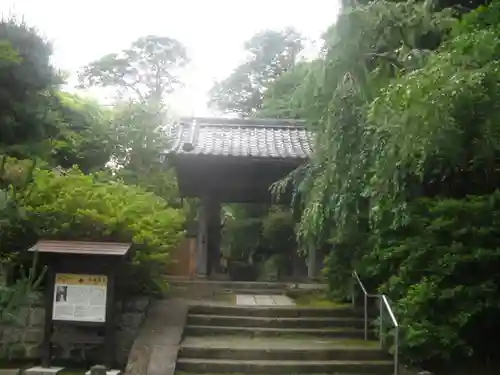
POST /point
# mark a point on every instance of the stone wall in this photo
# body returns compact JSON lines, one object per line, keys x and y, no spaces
{"x":22,"y":339}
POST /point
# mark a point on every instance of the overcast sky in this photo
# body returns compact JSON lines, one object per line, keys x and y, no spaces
{"x":212,"y":30}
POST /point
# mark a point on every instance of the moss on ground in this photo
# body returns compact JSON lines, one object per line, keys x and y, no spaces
{"x":226,"y":297}
{"x":315,"y":299}
{"x":73,"y":372}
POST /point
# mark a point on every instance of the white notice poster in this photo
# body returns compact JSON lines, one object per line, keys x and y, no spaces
{"x":80,"y":298}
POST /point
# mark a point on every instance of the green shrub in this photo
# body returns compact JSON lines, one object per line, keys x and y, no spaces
{"x":241,"y":238}
{"x":278,"y":231}
{"x":442,"y":271}
{"x":74,"y":206}
{"x":273,"y":267}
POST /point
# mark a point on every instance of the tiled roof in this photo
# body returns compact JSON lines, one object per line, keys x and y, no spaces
{"x":284,"y":139}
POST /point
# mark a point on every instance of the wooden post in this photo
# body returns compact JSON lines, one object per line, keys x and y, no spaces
{"x":49,"y":305}
{"x":311,"y":264}
{"x":213,"y":236}
{"x":201,"y":251}
{"x":109,"y":325}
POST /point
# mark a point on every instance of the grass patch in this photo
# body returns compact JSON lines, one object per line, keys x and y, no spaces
{"x":226,"y":297}
{"x":73,"y":372}
{"x":315,"y":299}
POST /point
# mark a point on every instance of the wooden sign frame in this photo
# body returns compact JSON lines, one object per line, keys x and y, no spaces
{"x":89,"y":260}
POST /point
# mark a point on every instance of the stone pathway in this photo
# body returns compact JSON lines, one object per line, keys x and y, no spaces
{"x":155,"y":350}
{"x":263,"y":300}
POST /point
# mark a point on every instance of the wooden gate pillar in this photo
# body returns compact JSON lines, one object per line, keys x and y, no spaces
{"x":213,"y":236}
{"x":209,"y":237}
{"x":201,"y":248}
{"x":312,"y":264}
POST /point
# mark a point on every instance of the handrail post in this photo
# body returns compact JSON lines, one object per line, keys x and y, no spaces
{"x":396,"y":351}
{"x":353,"y":292}
{"x":383,"y":304}
{"x":366,"y":316}
{"x":381,"y":317}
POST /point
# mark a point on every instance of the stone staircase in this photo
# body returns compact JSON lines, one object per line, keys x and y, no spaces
{"x":224,"y":339}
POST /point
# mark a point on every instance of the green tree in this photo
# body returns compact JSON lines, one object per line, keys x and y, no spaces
{"x":282,"y":99}
{"x":15,"y":175}
{"x":145,"y":72}
{"x":270,"y":54}
{"x":141,"y":137}
{"x":27,"y":86}
{"x":141,"y":76}
{"x":85,"y":137}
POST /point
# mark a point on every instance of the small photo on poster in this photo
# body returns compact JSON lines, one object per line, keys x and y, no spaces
{"x":61,"y":293}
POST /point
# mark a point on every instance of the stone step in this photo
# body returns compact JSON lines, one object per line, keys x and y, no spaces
{"x":264,"y":322}
{"x":280,"y":349}
{"x":237,"y":285}
{"x":201,"y":330}
{"x":225,"y":284}
{"x":254,"y":291}
{"x":339,"y":354}
{"x":268,"y":300}
{"x":224,"y":366}
{"x":274,"y":311}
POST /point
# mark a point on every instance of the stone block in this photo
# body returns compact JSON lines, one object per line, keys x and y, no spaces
{"x":11,"y":335}
{"x":139,"y":304}
{"x":109,"y":372}
{"x":132,"y":320}
{"x":4,"y":351}
{"x":38,"y":370}
{"x":37,"y":317}
{"x":33,"y":335}
{"x":22,"y":316}
{"x":125,"y":337}
{"x":118,"y":307}
{"x":121,"y":356}
{"x":124,"y":341}
{"x":16,"y":351}
{"x":37,"y":299}
{"x":32,"y":351}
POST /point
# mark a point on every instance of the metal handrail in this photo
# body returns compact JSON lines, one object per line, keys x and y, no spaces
{"x":384,"y":302}
{"x":366,"y":295}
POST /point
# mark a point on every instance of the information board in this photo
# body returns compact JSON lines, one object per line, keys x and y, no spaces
{"x":80,"y":298}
